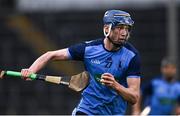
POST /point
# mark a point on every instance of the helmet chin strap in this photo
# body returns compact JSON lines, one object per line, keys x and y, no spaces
{"x":109,"y":30}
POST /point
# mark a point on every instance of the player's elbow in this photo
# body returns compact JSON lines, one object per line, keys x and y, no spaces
{"x":49,"y":55}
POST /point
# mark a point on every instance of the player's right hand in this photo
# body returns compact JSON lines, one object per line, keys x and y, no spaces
{"x":25,"y":73}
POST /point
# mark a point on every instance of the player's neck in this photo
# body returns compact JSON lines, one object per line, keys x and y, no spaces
{"x":110,"y":46}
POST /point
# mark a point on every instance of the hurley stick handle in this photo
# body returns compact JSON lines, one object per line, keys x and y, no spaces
{"x":18,"y":74}
{"x":53,"y":79}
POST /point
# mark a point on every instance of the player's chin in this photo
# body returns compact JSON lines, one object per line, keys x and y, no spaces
{"x":118,"y":44}
{"x":121,"y":42}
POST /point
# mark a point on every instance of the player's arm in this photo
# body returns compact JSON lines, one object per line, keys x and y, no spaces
{"x":62,"y":54}
{"x":136,"y":108}
{"x":145,"y":91}
{"x":75,"y":52}
{"x":131,"y":93}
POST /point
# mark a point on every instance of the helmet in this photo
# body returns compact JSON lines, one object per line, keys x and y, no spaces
{"x":115,"y":17}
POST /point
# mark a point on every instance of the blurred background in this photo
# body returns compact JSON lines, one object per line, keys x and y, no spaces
{"x":29,"y":28}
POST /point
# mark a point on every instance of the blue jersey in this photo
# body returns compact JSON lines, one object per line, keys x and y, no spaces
{"x":122,"y":64}
{"x":163,"y":96}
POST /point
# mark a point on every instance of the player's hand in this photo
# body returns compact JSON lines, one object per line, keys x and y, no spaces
{"x":26,"y":73}
{"x":108,"y":80}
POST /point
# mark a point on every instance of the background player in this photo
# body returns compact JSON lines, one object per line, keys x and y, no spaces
{"x":162,"y":94}
{"x":112,"y":62}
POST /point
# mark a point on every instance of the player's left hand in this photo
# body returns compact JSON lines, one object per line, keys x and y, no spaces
{"x":109,"y":80}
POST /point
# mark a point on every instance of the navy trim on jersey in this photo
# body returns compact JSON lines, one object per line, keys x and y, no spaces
{"x":77,"y":51}
{"x":135,"y":64}
{"x":134,"y":67}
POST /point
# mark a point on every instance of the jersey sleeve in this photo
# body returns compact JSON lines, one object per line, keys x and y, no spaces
{"x":134,"y":69}
{"x":76,"y":52}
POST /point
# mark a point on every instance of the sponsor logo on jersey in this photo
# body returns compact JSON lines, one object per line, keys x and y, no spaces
{"x":95,"y":61}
